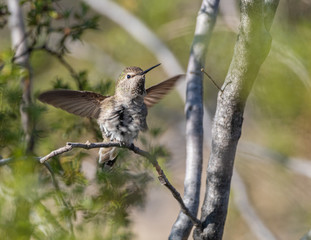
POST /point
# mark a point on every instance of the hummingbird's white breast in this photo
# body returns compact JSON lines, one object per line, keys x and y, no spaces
{"x":122,"y":121}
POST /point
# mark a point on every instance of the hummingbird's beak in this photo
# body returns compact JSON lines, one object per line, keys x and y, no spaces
{"x":144,"y":72}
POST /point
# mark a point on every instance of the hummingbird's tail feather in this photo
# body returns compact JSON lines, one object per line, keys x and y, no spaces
{"x":107,"y":154}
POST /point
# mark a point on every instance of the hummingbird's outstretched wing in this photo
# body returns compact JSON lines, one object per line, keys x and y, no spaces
{"x":157,"y":92}
{"x":82,"y":103}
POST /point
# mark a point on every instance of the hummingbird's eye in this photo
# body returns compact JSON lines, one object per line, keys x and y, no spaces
{"x":128,"y":76}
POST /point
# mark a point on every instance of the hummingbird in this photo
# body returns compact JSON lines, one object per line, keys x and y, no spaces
{"x":120,"y":117}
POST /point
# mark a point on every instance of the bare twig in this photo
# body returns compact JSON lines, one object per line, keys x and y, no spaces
{"x":164,"y":181}
{"x":210,"y":78}
{"x":161,"y":176}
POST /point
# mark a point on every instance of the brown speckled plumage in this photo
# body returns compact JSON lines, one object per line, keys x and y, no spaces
{"x":122,"y":116}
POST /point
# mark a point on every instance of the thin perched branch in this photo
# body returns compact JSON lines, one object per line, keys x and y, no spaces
{"x":69,"y":146}
{"x":161,"y":176}
{"x":164,"y":181}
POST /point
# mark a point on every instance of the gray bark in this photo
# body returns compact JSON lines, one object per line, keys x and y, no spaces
{"x":19,"y":44}
{"x":251,"y":49}
{"x":194,"y":117}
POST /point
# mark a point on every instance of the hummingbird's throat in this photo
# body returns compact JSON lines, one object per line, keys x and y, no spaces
{"x":139,"y":89}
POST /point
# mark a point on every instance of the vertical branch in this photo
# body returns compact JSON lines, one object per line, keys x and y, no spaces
{"x":251,"y":49}
{"x":19,"y":43}
{"x":194,"y":117}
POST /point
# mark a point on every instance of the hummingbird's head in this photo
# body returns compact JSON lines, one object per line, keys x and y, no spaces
{"x":131,"y":82}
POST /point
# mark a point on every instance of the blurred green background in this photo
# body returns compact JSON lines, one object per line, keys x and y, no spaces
{"x":127,"y":202}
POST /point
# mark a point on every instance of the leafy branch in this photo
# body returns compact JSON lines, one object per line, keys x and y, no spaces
{"x":43,"y":18}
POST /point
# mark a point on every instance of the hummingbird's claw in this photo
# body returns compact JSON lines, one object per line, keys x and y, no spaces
{"x":122,"y":144}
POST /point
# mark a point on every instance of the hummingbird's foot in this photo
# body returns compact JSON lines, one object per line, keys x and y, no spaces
{"x":123,"y":144}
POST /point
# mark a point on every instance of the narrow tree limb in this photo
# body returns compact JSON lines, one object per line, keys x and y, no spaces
{"x":69,"y":146}
{"x":194,"y":117}
{"x":161,"y":176}
{"x":19,"y":43}
{"x":251,"y":49}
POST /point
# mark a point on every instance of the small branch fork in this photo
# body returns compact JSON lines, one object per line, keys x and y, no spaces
{"x":54,"y":53}
{"x":161,"y":176}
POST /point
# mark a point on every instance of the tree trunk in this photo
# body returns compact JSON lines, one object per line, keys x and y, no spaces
{"x":251,"y":49}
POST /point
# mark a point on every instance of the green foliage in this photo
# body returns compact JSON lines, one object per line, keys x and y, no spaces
{"x":23,"y":214}
{"x":3,"y":15}
{"x":10,"y":94}
{"x":60,"y":200}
